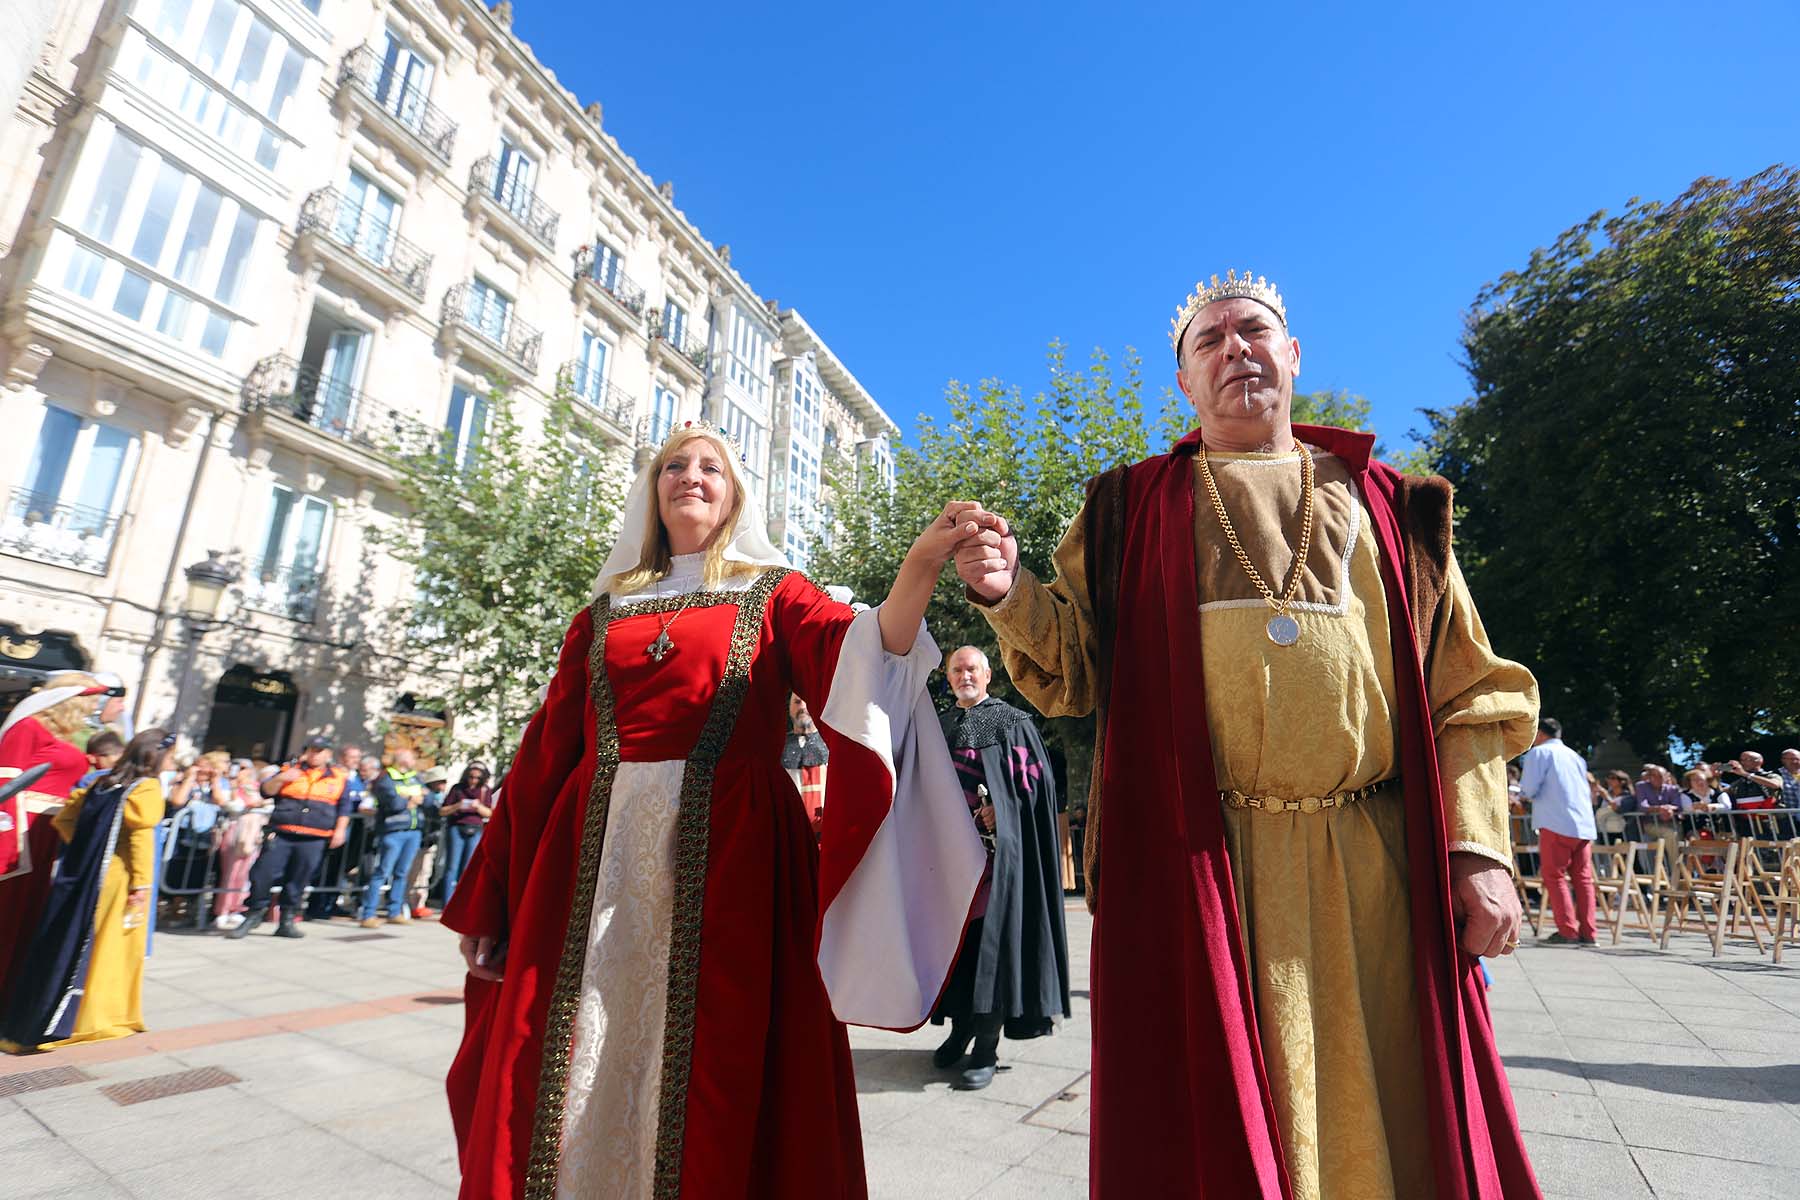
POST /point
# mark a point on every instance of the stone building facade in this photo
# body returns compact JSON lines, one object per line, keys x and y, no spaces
{"x":244,"y":239}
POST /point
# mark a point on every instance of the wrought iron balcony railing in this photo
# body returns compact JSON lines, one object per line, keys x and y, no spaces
{"x":680,"y":341}
{"x":586,"y":385}
{"x":498,"y":327}
{"x":299,"y":390}
{"x":38,"y":527}
{"x":603,"y":272}
{"x":331,"y":216}
{"x":400,"y":98}
{"x":517,"y":198}
{"x":282,"y":589}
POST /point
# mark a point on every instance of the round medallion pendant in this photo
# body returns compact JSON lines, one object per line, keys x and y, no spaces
{"x":1283,"y":630}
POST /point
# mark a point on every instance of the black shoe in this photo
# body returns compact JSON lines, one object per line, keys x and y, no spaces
{"x":1593,"y":941}
{"x":252,"y":918}
{"x":287,"y":929}
{"x":953,"y":1048}
{"x":974,"y":1079}
{"x":1557,"y":939}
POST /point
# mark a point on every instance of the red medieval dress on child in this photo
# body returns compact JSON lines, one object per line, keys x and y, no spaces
{"x":28,"y":841}
{"x":680,"y":955}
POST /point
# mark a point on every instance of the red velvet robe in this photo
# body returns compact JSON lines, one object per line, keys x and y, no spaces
{"x":1181,"y":1104}
{"x":769,"y":1107}
{"x":25,"y":745}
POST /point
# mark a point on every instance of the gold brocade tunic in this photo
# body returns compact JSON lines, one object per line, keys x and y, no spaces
{"x":1323,"y":895}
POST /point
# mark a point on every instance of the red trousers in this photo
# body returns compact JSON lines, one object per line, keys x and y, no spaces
{"x":1568,"y":863}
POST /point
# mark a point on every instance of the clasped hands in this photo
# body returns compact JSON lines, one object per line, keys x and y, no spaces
{"x":981,"y":543}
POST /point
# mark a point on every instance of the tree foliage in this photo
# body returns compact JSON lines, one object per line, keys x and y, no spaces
{"x":1628,"y":467}
{"x":505,"y":549}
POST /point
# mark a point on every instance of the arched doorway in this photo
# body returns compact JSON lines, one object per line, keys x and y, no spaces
{"x":252,"y":714}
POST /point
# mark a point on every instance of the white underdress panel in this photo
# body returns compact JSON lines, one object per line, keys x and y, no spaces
{"x":615,"y":1069}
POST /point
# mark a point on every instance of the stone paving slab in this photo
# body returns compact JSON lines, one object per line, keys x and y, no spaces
{"x":1636,"y":1073}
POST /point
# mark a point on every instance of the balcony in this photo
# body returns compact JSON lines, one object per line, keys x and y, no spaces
{"x":688,"y":355}
{"x":623,"y":299}
{"x":595,"y":397}
{"x":333,"y":228}
{"x":282,"y":590}
{"x":426,"y":134}
{"x":296,"y":391}
{"x":495,"y":337}
{"x":37,"y":527}
{"x":514,"y":201}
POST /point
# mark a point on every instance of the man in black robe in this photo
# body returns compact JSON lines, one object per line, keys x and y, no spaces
{"x":1012,"y":975}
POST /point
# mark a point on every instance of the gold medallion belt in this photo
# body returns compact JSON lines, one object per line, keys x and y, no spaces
{"x":1308,"y":804}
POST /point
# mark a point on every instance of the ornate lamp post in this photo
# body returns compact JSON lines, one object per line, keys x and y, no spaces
{"x":207,"y":581}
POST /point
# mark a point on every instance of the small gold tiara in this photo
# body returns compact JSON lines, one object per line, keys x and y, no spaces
{"x":1258,"y":289}
{"x":704,"y":426}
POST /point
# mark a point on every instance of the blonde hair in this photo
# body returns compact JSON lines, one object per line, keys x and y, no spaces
{"x":218,"y":760}
{"x":69,"y":717}
{"x":656,"y":558}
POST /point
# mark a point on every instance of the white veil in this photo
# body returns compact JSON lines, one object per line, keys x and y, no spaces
{"x":749,"y":537}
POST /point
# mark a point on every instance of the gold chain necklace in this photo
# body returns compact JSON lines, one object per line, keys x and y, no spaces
{"x":659,"y":649}
{"x":1282,"y":629}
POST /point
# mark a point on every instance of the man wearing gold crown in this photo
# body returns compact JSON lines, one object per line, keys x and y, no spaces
{"x":1298,"y":837}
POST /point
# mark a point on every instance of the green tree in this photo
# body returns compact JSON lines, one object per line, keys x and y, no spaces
{"x":1628,"y":466}
{"x":505,"y":548}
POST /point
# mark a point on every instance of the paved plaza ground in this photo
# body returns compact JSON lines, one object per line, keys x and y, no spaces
{"x":315,"y":1070}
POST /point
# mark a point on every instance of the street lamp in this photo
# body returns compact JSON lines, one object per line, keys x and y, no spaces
{"x":207,"y":581}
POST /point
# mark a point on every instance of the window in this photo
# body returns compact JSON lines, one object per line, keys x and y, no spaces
{"x":340,"y":375}
{"x":404,"y":81}
{"x":512,"y":179}
{"x":674,"y":324}
{"x":590,"y":376}
{"x":233,"y":87}
{"x":161,"y":242}
{"x":662,"y":414}
{"x":368,"y":219}
{"x":467,"y":423}
{"x":605,"y":270}
{"x":285,"y":581}
{"x":749,"y":366}
{"x":77,"y":479}
{"x":750,"y":438}
{"x":489,"y":310}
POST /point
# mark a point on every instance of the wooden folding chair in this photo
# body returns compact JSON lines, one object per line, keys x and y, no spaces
{"x":1618,"y":888}
{"x":1527,"y":884}
{"x":1759,"y":879}
{"x":1697,"y":888}
{"x":1787,"y":897}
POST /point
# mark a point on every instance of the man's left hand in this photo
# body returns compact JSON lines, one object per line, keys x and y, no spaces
{"x":1485,"y":905}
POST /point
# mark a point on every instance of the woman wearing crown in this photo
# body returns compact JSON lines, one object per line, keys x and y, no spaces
{"x":660,"y":957}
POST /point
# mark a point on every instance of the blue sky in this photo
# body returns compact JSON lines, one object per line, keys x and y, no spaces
{"x":943,"y":188}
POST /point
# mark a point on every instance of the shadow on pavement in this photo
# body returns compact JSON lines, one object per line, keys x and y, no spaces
{"x":1780,"y":1083}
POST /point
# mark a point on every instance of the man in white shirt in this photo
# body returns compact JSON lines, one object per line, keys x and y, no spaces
{"x":1562,"y":811}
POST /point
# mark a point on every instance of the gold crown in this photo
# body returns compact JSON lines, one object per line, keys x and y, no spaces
{"x":1258,"y":289}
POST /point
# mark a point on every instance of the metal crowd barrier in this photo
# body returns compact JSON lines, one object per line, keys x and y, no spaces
{"x":190,"y":866}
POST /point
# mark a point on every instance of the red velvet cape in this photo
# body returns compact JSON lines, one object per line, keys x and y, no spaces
{"x":1181,"y":1104}
{"x":22,"y":897}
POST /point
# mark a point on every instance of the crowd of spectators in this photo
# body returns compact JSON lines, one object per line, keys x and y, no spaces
{"x":372,"y":840}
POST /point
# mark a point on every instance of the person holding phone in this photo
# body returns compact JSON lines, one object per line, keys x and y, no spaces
{"x":466,"y":810}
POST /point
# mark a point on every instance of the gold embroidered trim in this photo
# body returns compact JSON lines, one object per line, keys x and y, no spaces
{"x":565,"y":995}
{"x":690,"y":891}
{"x":663,"y":604}
{"x":691,"y":846}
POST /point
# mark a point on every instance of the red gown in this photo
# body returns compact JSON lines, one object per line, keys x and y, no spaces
{"x":756,"y":1096}
{"x":25,"y":745}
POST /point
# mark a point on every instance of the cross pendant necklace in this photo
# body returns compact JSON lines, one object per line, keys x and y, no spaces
{"x":659,"y":649}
